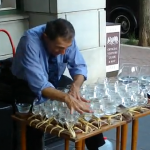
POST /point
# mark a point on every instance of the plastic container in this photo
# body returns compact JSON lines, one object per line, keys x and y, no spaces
{"x":23,"y":108}
{"x":107,"y":146}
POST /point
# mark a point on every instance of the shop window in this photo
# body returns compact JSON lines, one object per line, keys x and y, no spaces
{"x":7,"y":4}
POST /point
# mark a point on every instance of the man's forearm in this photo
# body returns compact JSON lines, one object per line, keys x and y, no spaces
{"x":78,"y":80}
{"x":54,"y":94}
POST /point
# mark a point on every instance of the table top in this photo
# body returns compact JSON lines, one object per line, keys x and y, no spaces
{"x":55,"y":129}
{"x":65,"y":133}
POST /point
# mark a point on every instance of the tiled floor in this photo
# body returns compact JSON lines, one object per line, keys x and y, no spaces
{"x":127,"y":55}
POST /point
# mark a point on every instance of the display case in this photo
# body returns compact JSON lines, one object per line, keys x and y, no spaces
{"x":7,"y":4}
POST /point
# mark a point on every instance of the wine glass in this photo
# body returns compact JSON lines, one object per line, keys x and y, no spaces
{"x":83,"y":90}
{"x":109,"y":105}
{"x":48,"y":109}
{"x":62,"y":112}
{"x":127,"y":64}
{"x":36,"y":107}
{"x":42,"y":110}
{"x":128,"y":100}
{"x":128,"y":74}
{"x":56,"y":105}
{"x":144,"y":77}
{"x":141,"y":97}
{"x":98,"y":108}
{"x":72,"y":119}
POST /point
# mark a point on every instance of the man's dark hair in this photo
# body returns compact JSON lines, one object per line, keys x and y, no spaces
{"x":60,"y":28}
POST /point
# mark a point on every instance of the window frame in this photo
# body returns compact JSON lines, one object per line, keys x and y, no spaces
{"x":17,"y":10}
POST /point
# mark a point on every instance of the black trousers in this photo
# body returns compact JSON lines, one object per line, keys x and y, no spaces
{"x":35,"y":138}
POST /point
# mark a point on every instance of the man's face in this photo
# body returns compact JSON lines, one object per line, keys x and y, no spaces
{"x":57,"y":46}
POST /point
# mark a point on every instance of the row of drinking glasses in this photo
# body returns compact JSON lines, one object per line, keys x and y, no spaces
{"x":129,"y":89}
{"x":56,"y":109}
{"x":104,"y":99}
{"x":132,"y":73}
{"x":135,"y":84}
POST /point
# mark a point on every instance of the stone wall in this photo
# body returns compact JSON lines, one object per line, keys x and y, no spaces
{"x":15,"y":25}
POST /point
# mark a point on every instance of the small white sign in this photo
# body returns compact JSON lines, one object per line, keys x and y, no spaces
{"x":112,"y":47}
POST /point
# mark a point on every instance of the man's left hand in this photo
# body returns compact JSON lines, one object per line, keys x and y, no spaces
{"x":75,"y":92}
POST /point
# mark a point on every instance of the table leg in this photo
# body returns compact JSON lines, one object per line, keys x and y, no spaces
{"x":118,"y":138}
{"x":135,"y":124}
{"x":23,"y":136}
{"x":83,"y":145}
{"x":78,"y":145}
{"x":66,"y":144}
{"x":124,"y":133}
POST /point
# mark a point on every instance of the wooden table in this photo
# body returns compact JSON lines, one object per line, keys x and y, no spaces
{"x":80,"y":138}
{"x":135,"y":124}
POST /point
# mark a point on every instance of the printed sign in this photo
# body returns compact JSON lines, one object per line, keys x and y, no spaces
{"x":112,"y":47}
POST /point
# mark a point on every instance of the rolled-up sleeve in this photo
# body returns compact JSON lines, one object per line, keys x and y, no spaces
{"x":76,"y":63}
{"x":33,"y":72}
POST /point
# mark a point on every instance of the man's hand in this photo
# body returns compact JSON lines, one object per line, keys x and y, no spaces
{"x":75,"y":92}
{"x":74,"y":105}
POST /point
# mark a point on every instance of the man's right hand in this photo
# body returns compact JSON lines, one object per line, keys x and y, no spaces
{"x":76,"y":105}
{"x":72,"y":103}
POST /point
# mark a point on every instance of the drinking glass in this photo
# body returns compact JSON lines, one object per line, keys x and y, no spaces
{"x":91,"y":91}
{"x":42,"y":110}
{"x":111,"y":86}
{"x":121,"y":88}
{"x":101,"y":90}
{"x":55,"y":111}
{"x":48,"y":109}
{"x":114,"y":96}
{"x":128,"y":74}
{"x":72,"y":119}
{"x":83,"y":90}
{"x":144,"y":77}
{"x":98,"y":108}
{"x":88,"y":116}
{"x":109,"y":105}
{"x":102,"y":82}
{"x":141,"y":97}
{"x":127,"y":64}
{"x":62,"y":112}
{"x":128,"y":100}
{"x":36,"y":107}
{"x":132,"y":88}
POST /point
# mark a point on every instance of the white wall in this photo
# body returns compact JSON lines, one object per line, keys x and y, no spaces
{"x":15,"y":25}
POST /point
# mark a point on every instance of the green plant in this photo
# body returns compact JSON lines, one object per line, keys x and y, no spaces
{"x":131,"y":40}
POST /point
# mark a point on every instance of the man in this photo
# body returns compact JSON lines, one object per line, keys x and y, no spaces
{"x":38,"y":66}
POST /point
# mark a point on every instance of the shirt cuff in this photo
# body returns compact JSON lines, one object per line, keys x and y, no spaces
{"x":42,"y":99}
{"x":79,"y":72}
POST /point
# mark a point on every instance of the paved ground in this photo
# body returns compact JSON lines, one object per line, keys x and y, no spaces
{"x":140,"y":57}
{"x":135,"y":55}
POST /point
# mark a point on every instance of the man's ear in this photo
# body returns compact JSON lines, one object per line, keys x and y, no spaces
{"x":44,"y":35}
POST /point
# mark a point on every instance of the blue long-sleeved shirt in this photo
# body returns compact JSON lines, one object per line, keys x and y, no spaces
{"x":31,"y":62}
